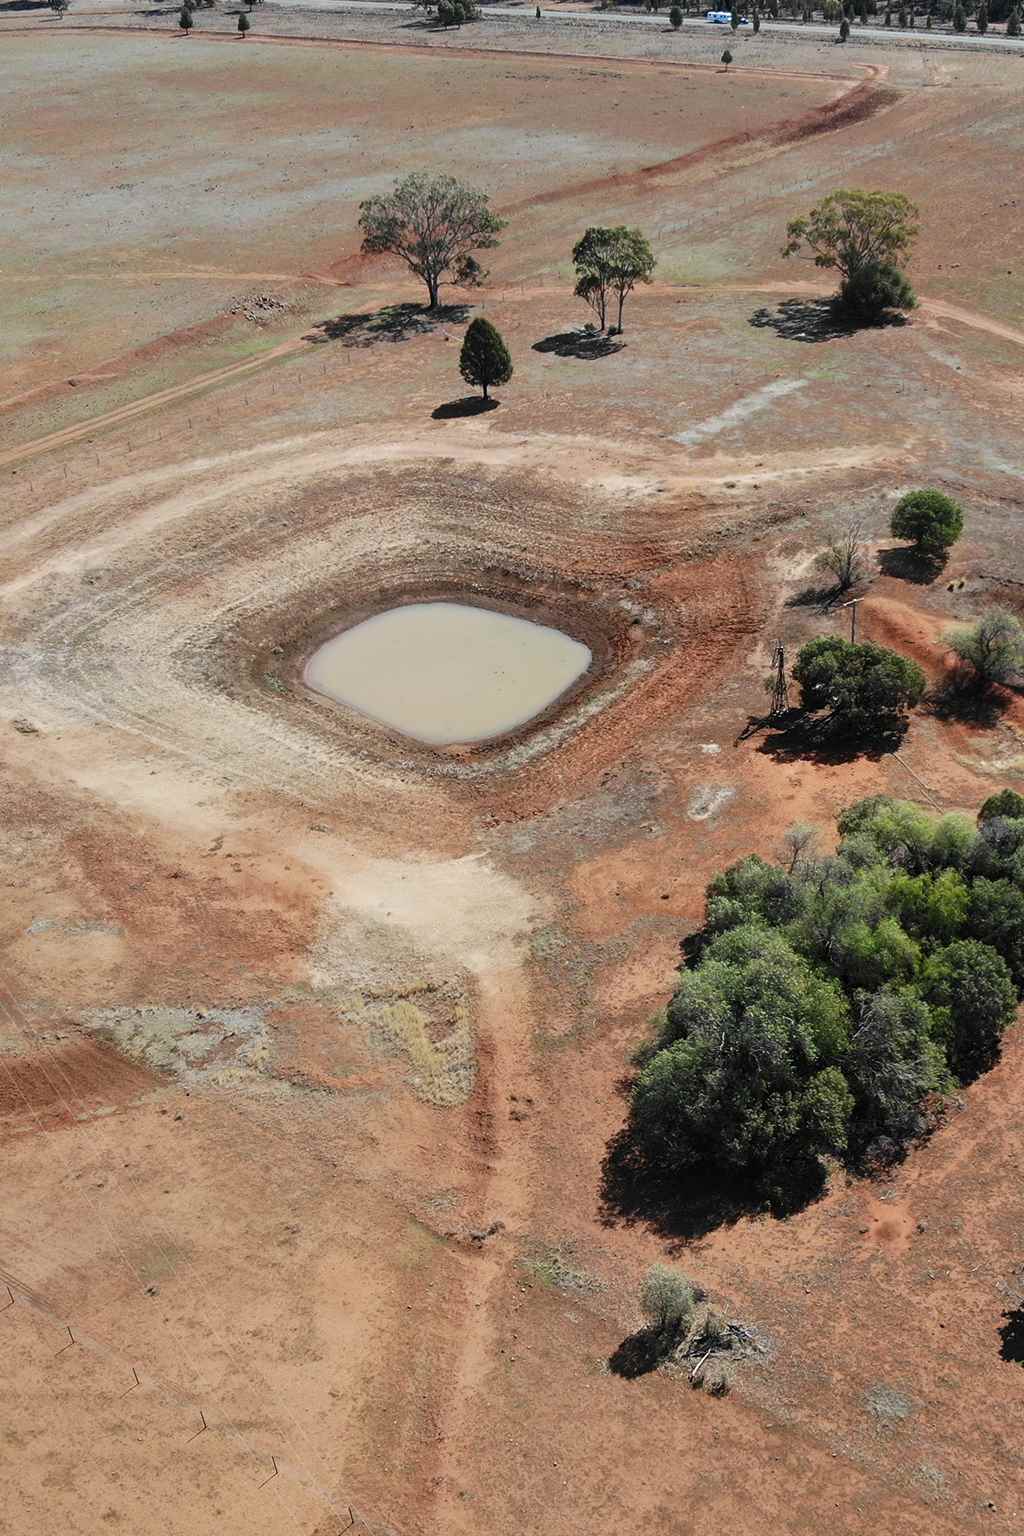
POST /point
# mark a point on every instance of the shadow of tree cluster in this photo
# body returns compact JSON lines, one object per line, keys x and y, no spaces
{"x":587,"y":344}
{"x":395,"y":322}
{"x":961,"y":698}
{"x":815,"y":738}
{"x":635,"y":1191}
{"x":813,"y":320}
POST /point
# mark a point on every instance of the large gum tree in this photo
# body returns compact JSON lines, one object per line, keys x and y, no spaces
{"x":434,"y":223}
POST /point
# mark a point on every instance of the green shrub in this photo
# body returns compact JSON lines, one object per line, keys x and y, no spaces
{"x":675,"y":16}
{"x":931,"y":520}
{"x":666,"y":1301}
{"x":866,"y":689}
{"x":875,"y":289}
{"x":1007,"y":804}
{"x":484,"y":359}
{"x":992,"y":650}
{"x":971,"y":994}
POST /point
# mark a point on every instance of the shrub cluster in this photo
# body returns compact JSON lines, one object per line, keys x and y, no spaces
{"x":453,"y":13}
{"x":832,"y":1003}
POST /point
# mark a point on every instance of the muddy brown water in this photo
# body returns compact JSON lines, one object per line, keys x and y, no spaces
{"x":447,"y":672}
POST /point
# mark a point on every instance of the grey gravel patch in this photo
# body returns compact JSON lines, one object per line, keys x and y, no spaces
{"x":200,"y":1045}
{"x":739,"y":411}
{"x":707,"y":800}
{"x":616,"y":813}
{"x":75,"y":927}
{"x":932,"y":1480}
{"x":887,"y":1404}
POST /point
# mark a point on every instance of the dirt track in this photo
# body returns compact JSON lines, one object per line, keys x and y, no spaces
{"x":293,"y":1009}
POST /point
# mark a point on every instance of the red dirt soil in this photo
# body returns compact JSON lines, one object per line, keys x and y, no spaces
{"x":311,"y":1041}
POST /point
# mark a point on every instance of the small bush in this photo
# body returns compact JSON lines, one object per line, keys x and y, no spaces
{"x":666,"y":1300}
{"x":675,"y":16}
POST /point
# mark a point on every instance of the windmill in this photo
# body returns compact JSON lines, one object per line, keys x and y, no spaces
{"x":779,"y":685}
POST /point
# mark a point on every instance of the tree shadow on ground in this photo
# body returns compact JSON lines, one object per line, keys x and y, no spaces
{"x":633,"y":1192}
{"x":905,"y":564}
{"x":586,"y":344}
{"x":1012,"y":1335}
{"x":823,"y":597}
{"x":814,"y":320}
{"x":395,"y":322}
{"x":960,"y":698}
{"x":469,"y":405}
{"x":796,"y":735}
{"x":638,"y":1355}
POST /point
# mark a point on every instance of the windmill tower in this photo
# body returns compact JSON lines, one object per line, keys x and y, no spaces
{"x":779,"y":685}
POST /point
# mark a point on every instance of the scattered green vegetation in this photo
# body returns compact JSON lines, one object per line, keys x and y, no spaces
{"x":556,"y":1265}
{"x":831,"y":1003}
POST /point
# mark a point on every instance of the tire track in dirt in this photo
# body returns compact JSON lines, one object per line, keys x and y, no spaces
{"x":863,"y":100}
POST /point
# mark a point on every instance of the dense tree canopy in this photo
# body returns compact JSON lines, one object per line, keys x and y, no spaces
{"x":931,"y":520}
{"x":829,"y":1005}
{"x":866,"y":689}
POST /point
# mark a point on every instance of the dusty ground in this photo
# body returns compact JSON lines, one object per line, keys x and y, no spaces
{"x":292,"y":1009}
